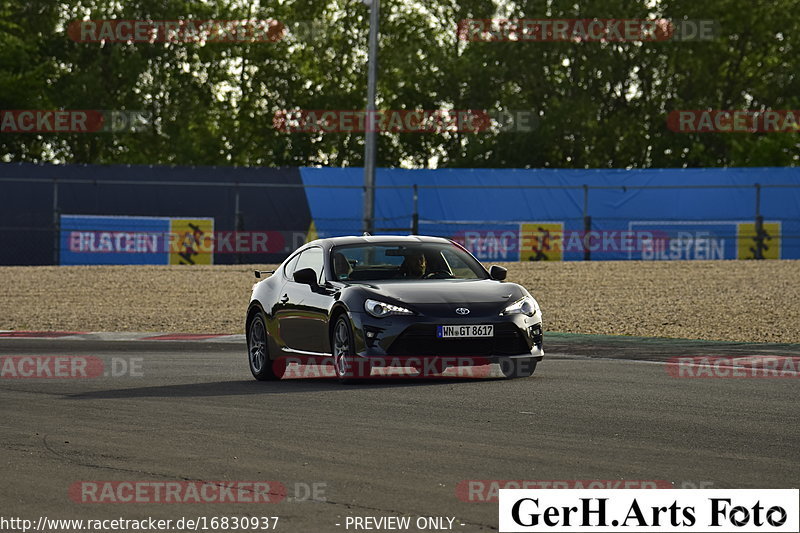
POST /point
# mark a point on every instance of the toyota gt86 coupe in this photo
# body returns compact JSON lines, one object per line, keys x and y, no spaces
{"x":362,"y":302}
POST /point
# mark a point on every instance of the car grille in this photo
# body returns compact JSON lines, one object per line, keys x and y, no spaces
{"x":421,"y":339}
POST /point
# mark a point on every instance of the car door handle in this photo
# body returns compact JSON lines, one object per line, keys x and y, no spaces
{"x":284,"y":298}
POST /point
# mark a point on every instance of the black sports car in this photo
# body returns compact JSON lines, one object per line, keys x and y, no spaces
{"x":362,"y":302}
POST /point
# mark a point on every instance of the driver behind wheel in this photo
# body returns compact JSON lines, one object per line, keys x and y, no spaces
{"x":413,"y":266}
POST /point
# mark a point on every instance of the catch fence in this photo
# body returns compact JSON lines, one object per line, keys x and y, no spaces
{"x":122,"y":219}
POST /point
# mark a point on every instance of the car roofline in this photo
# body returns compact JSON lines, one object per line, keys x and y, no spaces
{"x":331,"y":242}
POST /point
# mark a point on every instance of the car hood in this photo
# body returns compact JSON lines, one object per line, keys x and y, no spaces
{"x":442,"y":297}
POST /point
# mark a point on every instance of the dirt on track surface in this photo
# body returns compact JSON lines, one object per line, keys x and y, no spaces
{"x":744,"y":301}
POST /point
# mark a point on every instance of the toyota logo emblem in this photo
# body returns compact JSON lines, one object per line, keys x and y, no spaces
{"x":462,"y":311}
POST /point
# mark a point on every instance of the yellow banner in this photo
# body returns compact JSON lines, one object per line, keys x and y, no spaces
{"x":191,"y":241}
{"x":541,"y":241}
{"x":746,"y":240}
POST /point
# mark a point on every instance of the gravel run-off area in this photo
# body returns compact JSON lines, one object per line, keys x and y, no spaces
{"x":746,"y":301}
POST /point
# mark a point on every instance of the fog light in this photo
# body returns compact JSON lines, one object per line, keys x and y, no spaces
{"x":371,"y":335}
{"x":535,"y":333}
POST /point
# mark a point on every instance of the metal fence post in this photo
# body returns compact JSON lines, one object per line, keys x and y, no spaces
{"x":759,"y":225}
{"x":238,"y":223}
{"x":56,"y":225}
{"x":370,"y":141}
{"x":587,"y":225}
{"x":415,"y":213}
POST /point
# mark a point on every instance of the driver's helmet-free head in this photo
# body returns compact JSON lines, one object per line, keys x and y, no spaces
{"x":414,"y":265}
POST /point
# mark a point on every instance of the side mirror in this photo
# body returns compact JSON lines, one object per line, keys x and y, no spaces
{"x":306,"y":276}
{"x":497,"y":272}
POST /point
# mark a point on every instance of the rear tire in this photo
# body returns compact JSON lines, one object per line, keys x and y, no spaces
{"x":261,"y":365}
{"x":518,"y":368}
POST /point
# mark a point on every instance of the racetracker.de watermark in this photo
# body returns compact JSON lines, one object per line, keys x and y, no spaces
{"x":488,"y":490}
{"x":187,"y":492}
{"x":73,"y":121}
{"x":734,"y":121}
{"x":176,"y":31}
{"x":177,"y":492}
{"x":68,"y":367}
{"x":586,"y":30}
{"x":395,"y":367}
{"x":403,"y":121}
{"x":755,"y":366}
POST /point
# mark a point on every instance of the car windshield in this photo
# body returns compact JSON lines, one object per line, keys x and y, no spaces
{"x":372,"y":262}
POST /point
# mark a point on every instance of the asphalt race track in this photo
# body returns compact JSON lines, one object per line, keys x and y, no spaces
{"x":593,"y":411}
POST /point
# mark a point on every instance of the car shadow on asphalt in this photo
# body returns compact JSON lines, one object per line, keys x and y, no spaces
{"x":246,"y":387}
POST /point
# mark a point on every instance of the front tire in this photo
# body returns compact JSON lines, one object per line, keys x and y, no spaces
{"x":261,"y":365}
{"x":522,"y":367}
{"x":346,"y":363}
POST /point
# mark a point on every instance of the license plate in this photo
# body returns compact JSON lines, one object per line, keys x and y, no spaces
{"x":460,"y":332}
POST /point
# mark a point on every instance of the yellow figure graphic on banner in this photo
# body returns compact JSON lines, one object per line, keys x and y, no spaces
{"x":746,"y":241}
{"x":191,"y":241}
{"x":541,"y":241}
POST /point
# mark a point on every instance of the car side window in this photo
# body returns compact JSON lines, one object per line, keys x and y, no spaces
{"x":289,"y":269}
{"x":313,"y":259}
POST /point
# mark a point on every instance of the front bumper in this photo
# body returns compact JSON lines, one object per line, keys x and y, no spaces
{"x":414,"y":337}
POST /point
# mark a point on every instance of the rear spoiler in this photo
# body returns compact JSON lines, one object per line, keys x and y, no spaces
{"x":259,"y":273}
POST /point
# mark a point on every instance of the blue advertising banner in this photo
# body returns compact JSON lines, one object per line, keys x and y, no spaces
{"x":686,"y":240}
{"x":110,"y":240}
{"x":692,"y":239}
{"x":129,"y":240}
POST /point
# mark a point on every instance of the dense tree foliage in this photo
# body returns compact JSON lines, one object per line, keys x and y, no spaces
{"x":599,"y":104}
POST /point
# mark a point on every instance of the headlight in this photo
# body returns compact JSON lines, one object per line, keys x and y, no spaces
{"x":527,"y":306}
{"x":382,"y":309}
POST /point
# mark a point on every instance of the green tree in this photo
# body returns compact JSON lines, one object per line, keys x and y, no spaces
{"x":599,"y":105}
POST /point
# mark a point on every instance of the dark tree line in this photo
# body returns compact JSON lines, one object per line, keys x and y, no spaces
{"x":598,"y":104}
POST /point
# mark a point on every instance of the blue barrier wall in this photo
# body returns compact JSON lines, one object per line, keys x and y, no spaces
{"x":700,"y":213}
{"x":30,"y":204}
{"x":500,"y":214}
